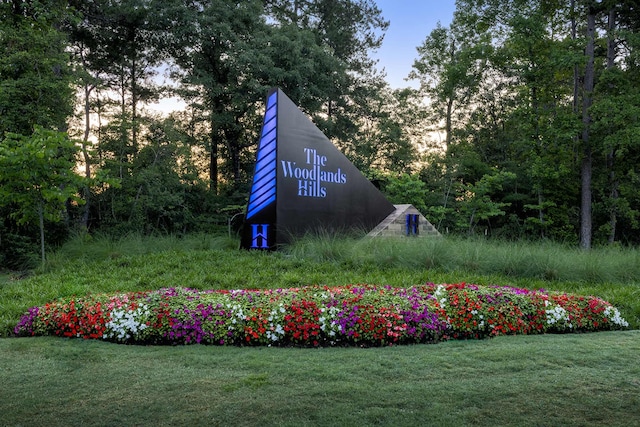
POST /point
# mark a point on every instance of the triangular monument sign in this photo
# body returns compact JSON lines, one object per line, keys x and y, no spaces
{"x":302,"y":183}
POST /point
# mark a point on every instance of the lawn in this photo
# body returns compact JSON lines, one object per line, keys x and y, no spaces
{"x":573,"y":380}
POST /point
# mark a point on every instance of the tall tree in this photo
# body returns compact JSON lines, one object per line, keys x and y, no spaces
{"x":117,"y":47}
{"x":349,"y":30}
{"x":35,"y":90}
{"x":550,"y":105}
{"x":35,"y":76}
{"x":615,"y":112}
{"x":391,"y":132}
{"x":218,"y":56}
{"x":587,"y":99}
{"x":536,"y":58}
{"x":449,"y":68}
{"x":90,"y":55}
{"x":38,"y":177}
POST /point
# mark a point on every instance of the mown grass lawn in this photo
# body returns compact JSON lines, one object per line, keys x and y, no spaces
{"x":575,"y":380}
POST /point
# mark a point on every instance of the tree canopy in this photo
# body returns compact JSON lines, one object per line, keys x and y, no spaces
{"x":523,"y":122}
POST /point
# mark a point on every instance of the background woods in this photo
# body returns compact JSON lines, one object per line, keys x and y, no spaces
{"x":523,"y":122}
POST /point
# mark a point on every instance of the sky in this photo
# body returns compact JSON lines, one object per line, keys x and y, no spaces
{"x":410,"y":22}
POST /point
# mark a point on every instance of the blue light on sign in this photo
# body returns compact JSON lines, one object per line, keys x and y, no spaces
{"x":263,"y":189}
{"x":259,"y":236}
{"x":412,"y":224}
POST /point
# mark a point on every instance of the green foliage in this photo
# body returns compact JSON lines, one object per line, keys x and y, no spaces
{"x":159,"y":191}
{"x":390,"y":125}
{"x":35,"y":74}
{"x":38,"y":177}
{"x":450,"y":67}
{"x":499,"y":87}
{"x":38,"y":174}
{"x":615,"y":114}
{"x":18,"y":248}
{"x":505,"y":84}
{"x":479,"y":205}
{"x":407,"y":189}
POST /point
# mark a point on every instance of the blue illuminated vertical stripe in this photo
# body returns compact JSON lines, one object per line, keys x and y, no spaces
{"x":412,"y":223}
{"x":408,"y":224}
{"x":263,"y":189}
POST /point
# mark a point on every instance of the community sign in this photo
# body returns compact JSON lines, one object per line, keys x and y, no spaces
{"x":302,"y":183}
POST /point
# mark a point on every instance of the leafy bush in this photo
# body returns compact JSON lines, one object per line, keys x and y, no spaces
{"x":313,"y":316}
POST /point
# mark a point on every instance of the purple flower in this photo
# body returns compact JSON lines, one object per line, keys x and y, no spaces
{"x":25,"y":325}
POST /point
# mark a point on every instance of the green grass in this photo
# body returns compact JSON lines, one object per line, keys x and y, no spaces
{"x":517,"y":381}
{"x":587,"y":379}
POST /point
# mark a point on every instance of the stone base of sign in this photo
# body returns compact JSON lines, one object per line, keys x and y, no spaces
{"x":405,"y":221}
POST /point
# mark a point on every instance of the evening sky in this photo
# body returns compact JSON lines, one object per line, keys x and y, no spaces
{"x":411,"y":21}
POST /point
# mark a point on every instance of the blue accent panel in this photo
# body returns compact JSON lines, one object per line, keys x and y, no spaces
{"x":269,"y":115}
{"x":264,"y":196}
{"x":273,"y":100}
{"x":265,"y":162}
{"x":268,"y":128}
{"x":408,"y":224}
{"x":262,"y":205}
{"x":263,"y":189}
{"x":412,"y":222}
{"x":261,"y":186}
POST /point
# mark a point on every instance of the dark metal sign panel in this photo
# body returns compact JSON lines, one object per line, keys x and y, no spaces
{"x":302,"y":182}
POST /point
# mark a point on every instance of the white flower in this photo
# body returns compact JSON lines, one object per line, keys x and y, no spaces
{"x":613,"y":314}
{"x":125,"y":324}
{"x":557,"y":315}
{"x":439,"y":294}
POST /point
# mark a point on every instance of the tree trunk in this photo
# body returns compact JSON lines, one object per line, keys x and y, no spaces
{"x":613,"y":197}
{"x":124,"y":134}
{"x":41,"y":223}
{"x":541,"y":213}
{"x":611,"y":155}
{"x":587,"y":162}
{"x":134,"y":106}
{"x":449,"y":119}
{"x":213,"y":158}
{"x":448,"y":123}
{"x":576,"y":72}
{"x":84,"y":222}
{"x":585,"y":199}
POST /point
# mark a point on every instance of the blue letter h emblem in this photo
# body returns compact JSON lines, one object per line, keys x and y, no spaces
{"x":259,"y":237}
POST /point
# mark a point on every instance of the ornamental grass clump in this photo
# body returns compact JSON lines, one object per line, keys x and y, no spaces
{"x":314,"y":316}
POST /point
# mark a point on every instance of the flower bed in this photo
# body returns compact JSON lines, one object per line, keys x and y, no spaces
{"x":312,"y":316}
